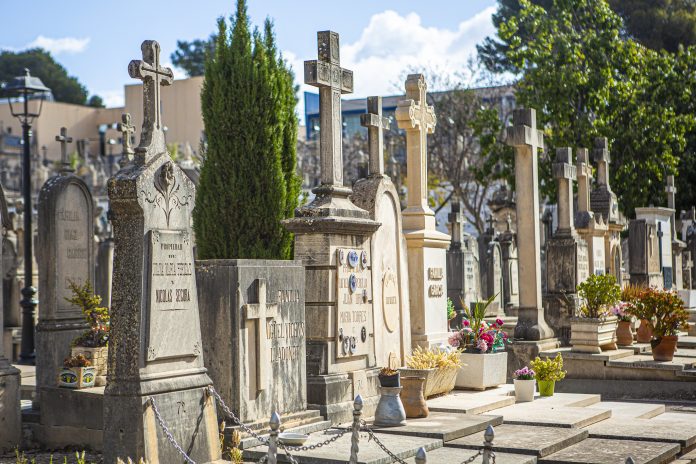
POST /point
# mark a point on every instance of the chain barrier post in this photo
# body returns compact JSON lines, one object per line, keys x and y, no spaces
{"x":355,"y":436}
{"x":273,"y":439}
{"x":421,"y":456}
{"x":488,"y":455}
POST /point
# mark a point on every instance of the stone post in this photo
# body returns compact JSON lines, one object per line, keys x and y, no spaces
{"x":564,"y":172}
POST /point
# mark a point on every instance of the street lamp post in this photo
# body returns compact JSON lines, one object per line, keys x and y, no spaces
{"x":23,"y":89}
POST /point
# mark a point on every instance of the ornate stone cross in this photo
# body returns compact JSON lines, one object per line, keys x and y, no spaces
{"x":64,"y":141}
{"x":261,"y":311}
{"x":584,"y":175}
{"x":565,"y":173}
{"x":153,"y":76}
{"x":417,"y":118}
{"x":126,"y":129}
{"x":375,"y":122}
{"x":671,"y":191}
{"x":332,"y":80}
{"x":602,"y":158}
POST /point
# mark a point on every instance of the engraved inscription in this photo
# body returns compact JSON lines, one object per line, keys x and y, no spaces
{"x":353,"y":291}
{"x":72,"y":239}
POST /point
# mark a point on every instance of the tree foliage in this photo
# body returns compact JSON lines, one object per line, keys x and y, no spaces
{"x":191,"y":56}
{"x":41,"y":64}
{"x":248,"y":182}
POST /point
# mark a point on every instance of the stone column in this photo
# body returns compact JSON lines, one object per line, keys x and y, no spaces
{"x":678,"y":246}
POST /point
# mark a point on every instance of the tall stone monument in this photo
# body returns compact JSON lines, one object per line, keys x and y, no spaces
{"x":463,"y":279}
{"x":678,"y":247}
{"x":491,"y":266}
{"x":660,"y":219}
{"x":377,"y":195}
{"x":65,"y":254}
{"x":590,"y":226}
{"x":566,"y":253}
{"x":510,"y":267}
{"x":427,"y":260}
{"x":332,"y":238}
{"x":156,"y":371}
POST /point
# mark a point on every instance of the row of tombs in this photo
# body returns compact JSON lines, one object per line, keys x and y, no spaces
{"x":369,"y":283}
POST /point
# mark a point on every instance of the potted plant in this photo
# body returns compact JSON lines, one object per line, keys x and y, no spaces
{"x":624,"y":334}
{"x":548,"y":372}
{"x":668,"y":317}
{"x":482,"y":349}
{"x":389,"y":377}
{"x":77,"y":372}
{"x":93,"y":343}
{"x":594,"y":329}
{"x":525,"y":382}
{"x":632,"y":295}
{"x":439,"y":368}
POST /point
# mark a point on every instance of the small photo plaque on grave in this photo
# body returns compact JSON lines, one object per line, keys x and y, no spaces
{"x":353,"y":303}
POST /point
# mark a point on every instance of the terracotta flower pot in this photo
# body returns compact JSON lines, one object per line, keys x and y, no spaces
{"x":644,"y":332}
{"x":412,"y":397}
{"x":546,"y":387}
{"x":624,"y":336}
{"x":663,"y":348}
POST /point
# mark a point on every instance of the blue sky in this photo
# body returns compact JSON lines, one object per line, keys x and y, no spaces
{"x":95,"y":40}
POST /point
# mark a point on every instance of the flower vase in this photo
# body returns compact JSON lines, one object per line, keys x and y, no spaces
{"x":546,"y":387}
{"x":412,"y":397}
{"x":524,"y":390}
{"x":390,"y":410}
{"x":663,"y":348}
{"x":624,"y":336}
{"x":644,"y":332}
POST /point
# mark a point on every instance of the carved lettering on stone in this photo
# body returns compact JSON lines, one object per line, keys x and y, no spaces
{"x":353,"y":303}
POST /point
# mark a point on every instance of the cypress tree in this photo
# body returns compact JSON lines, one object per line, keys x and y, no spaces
{"x":248,"y":182}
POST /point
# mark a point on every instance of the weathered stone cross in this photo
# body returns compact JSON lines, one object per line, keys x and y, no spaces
{"x":126,"y":129}
{"x":375,"y":122}
{"x":332,"y":80}
{"x":417,"y":118}
{"x":602,"y":158}
{"x":64,"y":141}
{"x":261,"y":311}
{"x":456,"y":219}
{"x":153,"y":75}
{"x":584,"y":175}
{"x":671,"y":191}
{"x":565,"y":173}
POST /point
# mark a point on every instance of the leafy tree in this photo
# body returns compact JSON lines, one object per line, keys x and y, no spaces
{"x":191,"y":56}
{"x":96,"y":102}
{"x":65,"y":88}
{"x":248,"y":182}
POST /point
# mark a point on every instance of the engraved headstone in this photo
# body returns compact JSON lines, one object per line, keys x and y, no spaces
{"x":489,"y":284}
{"x":510,"y":267}
{"x":644,"y":254}
{"x":661,"y":219}
{"x":463,"y":280}
{"x":590,"y":226}
{"x":156,"y":369}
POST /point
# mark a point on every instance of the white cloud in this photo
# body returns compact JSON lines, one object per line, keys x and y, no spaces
{"x":69,"y":45}
{"x":112,"y":98}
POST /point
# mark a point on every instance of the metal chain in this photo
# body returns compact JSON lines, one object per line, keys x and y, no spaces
{"x":473,"y":458}
{"x":167,"y":433}
{"x":372,"y":436}
{"x":229,"y":413}
{"x":318,"y":445}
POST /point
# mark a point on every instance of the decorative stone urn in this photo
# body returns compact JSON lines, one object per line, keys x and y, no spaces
{"x":481,"y":371}
{"x":412,"y":397}
{"x":589,"y":335}
{"x":390,"y":411}
{"x":98,"y":357}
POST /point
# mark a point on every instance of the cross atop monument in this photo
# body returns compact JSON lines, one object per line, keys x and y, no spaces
{"x":584,"y":175}
{"x":491,"y":221}
{"x":565,"y":173}
{"x":153,"y":76}
{"x":64,"y":141}
{"x":601,"y":156}
{"x":375,"y":122}
{"x":456,"y":219}
{"x":417,"y":118}
{"x":332,"y":80}
{"x":261,"y":311}
{"x":671,"y":191}
{"x":508,"y":222}
{"x":127,"y":130}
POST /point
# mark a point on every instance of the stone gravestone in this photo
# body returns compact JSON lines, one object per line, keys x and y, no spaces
{"x":661,"y":219}
{"x":10,"y":413}
{"x":65,"y":253}
{"x":678,"y":247}
{"x":567,"y":263}
{"x":591,"y":227}
{"x":427,"y":261}
{"x":340,"y":350}
{"x":510,"y":267}
{"x":491,"y":266}
{"x":377,"y":195}
{"x":644,"y":255}
{"x":463,"y":280}
{"x":156,"y":369}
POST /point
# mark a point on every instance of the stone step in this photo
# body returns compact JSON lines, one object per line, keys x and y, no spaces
{"x":445,"y":426}
{"x":553,"y":416}
{"x":573,"y":400}
{"x":402,"y":446}
{"x":456,"y":455}
{"x":524,"y":439}
{"x":468,"y":402}
{"x":604,"y":451}
{"x":645,"y":361}
{"x":307,"y":429}
{"x":686,"y":353}
{"x":603,"y":356}
{"x":653,"y":430}
{"x":689,"y":458}
{"x":625,"y":410}
{"x":686,"y":341}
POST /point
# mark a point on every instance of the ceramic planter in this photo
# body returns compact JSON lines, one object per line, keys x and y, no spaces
{"x":98,"y":357}
{"x":644,"y":332}
{"x":412,"y":397}
{"x":77,"y":377}
{"x":663,"y":348}
{"x":546,"y":387}
{"x":389,"y":380}
{"x":482,"y":371}
{"x":524,"y":390}
{"x":437,"y":381}
{"x":390,"y":411}
{"x":624,"y":336}
{"x":593,"y":335}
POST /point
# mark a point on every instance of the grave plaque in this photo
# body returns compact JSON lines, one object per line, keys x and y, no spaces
{"x":390,"y":300}
{"x":353,"y":302}
{"x":598,"y":261}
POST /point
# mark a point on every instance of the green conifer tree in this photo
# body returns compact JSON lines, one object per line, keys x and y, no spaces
{"x":248,"y":182}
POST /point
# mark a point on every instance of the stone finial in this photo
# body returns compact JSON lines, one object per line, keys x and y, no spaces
{"x":153,"y":76}
{"x":375,"y":123}
{"x":127,"y":130}
{"x":64,"y":140}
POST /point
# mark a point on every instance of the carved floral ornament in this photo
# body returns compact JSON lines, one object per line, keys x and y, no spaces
{"x":168,"y":196}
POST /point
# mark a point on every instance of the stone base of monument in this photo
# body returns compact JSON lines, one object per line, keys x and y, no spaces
{"x":333,"y":394}
{"x":559,"y":308}
{"x":521,"y":352}
{"x":10,"y":416}
{"x":304,"y":422}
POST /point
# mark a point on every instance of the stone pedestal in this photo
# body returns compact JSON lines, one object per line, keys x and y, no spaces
{"x":522,"y":352}
{"x":644,"y":258}
{"x":10,"y":413}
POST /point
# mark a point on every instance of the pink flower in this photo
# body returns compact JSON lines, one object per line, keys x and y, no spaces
{"x":499,"y":322}
{"x":482,"y":345}
{"x":465,"y":323}
{"x":487,"y":337}
{"x":454,"y":340}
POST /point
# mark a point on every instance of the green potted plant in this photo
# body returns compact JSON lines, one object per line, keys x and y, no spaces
{"x":438,"y":367}
{"x":482,"y":349}
{"x":389,"y":377}
{"x":594,"y":329}
{"x":548,"y":372}
{"x":93,"y":343}
{"x":667,"y":317}
{"x":77,"y":373}
{"x":525,"y":382}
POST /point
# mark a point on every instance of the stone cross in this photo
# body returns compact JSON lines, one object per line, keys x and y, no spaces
{"x":126,"y":129}
{"x":261,"y":311}
{"x":584,"y":175}
{"x":417,"y":118}
{"x":64,"y":141}
{"x":526,"y":140}
{"x":508,"y":222}
{"x":602,"y":158}
{"x":332,"y":80}
{"x":456,"y":219}
{"x":153,"y":76}
{"x":671,"y":191}
{"x":375,"y":122}
{"x":565,"y":173}
{"x":687,"y":265}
